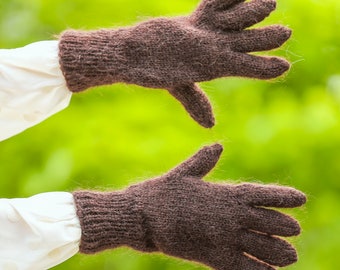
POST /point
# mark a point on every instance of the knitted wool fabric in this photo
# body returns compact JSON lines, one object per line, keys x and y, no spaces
{"x":224,"y":226}
{"x":175,"y":53}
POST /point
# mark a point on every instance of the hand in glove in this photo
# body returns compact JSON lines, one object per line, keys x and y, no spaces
{"x":226,"y":227}
{"x":176,"y":53}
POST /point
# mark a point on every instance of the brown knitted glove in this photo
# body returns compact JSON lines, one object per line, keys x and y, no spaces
{"x":176,"y":53}
{"x":226,"y":227}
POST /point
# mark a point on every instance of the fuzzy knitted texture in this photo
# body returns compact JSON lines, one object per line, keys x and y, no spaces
{"x":176,"y":53}
{"x":222,"y":226}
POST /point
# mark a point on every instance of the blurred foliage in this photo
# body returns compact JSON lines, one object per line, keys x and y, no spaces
{"x":286,"y":131}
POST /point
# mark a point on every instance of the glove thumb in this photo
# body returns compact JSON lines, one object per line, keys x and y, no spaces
{"x":199,"y":164}
{"x":195,"y":102}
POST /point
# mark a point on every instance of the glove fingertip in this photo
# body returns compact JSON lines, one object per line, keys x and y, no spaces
{"x":285,"y":65}
{"x":215,"y":150}
{"x":296,"y":229}
{"x":294,"y":198}
{"x":276,"y":67}
{"x":204,"y":118}
{"x":284,"y":32}
{"x":208,"y":122}
{"x":269,"y":4}
{"x":299,"y":199}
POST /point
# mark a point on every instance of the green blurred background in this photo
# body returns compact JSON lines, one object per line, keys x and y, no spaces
{"x":285,"y":131}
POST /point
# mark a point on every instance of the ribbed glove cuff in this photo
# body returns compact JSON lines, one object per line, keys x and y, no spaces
{"x":90,"y":58}
{"x":108,"y":220}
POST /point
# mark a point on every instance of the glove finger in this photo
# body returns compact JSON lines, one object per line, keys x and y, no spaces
{"x":270,"y":249}
{"x":235,"y":260}
{"x":271,"y":195}
{"x":209,"y":9}
{"x":199,"y":164}
{"x":196,"y":103}
{"x":271,"y":222}
{"x":250,"y":263}
{"x":242,"y":15}
{"x":251,"y":66}
{"x":261,"y":39}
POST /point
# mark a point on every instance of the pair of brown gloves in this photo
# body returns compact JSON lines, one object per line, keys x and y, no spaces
{"x":226,"y":227}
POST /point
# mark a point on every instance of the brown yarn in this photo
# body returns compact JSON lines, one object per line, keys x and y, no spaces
{"x":176,"y":53}
{"x":222,"y":226}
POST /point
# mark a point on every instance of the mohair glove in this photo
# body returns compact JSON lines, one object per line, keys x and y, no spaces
{"x":175,"y":53}
{"x":226,"y":227}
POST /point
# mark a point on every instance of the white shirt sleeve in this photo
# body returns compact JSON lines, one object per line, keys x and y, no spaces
{"x":39,"y":232}
{"x":32,"y":86}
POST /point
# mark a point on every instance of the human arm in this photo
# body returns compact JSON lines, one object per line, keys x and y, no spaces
{"x":223,"y":226}
{"x":177,"y":214}
{"x":176,"y":53}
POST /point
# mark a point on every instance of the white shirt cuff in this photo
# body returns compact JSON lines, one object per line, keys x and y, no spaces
{"x":32,"y":86}
{"x":39,"y":232}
